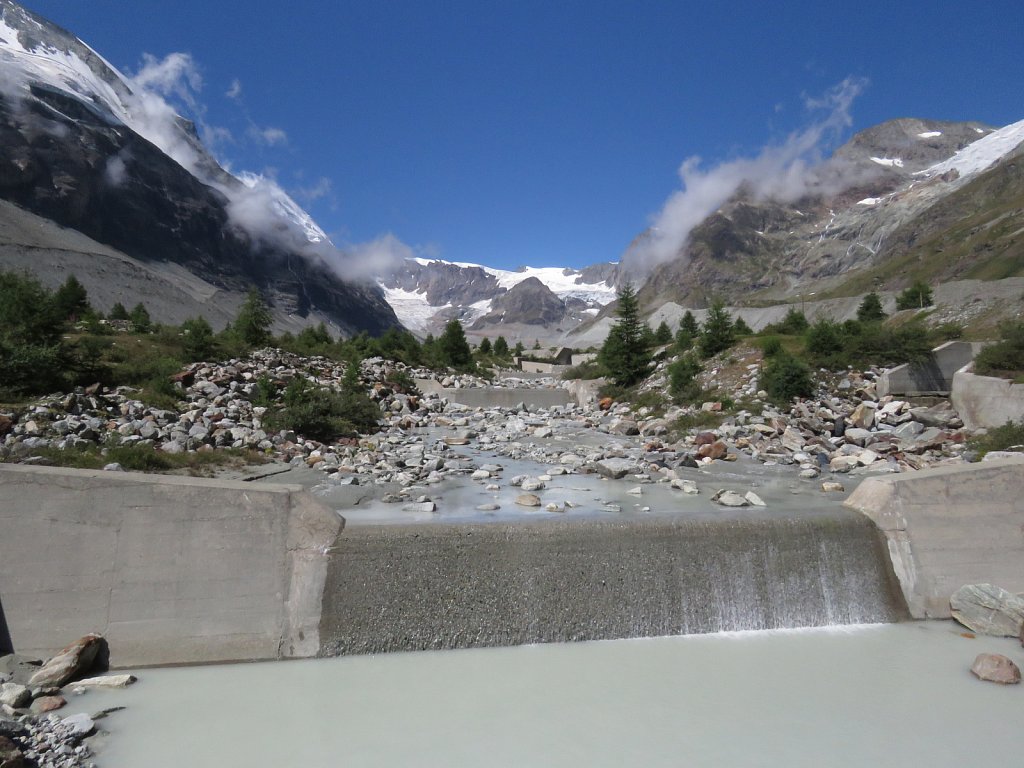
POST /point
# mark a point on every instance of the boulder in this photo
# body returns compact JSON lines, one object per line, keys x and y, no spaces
{"x":420,"y":506}
{"x":74,"y":660}
{"x":754,"y":500}
{"x":78,"y":726}
{"x":988,"y":610}
{"x":792,"y":440}
{"x":832,"y":487}
{"x":15,"y":695}
{"x":995,"y":668}
{"x":615,"y":468}
{"x":10,"y":754}
{"x":715,"y":450}
{"x":532,"y":484}
{"x":729,"y":499}
{"x":47,"y":704}
{"x":528,"y":500}
{"x":863,"y":415}
{"x":106,"y":681}
{"x":686,"y":486}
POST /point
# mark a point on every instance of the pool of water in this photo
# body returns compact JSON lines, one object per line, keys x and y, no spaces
{"x":874,"y":695}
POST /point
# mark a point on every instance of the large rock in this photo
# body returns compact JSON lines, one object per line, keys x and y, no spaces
{"x":988,"y":610}
{"x":715,"y":450}
{"x":15,"y":695}
{"x":528,"y":500}
{"x":730,"y":499}
{"x":615,"y":468}
{"x":74,"y":660}
{"x":995,"y":668}
{"x":10,"y":754}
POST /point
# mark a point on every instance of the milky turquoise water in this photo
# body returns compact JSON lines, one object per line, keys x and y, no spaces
{"x":878,"y":695}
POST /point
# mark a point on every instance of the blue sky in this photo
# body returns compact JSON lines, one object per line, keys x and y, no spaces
{"x":542,"y":133}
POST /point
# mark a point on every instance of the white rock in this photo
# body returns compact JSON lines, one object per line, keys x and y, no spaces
{"x":729,"y":499}
{"x":754,"y":499}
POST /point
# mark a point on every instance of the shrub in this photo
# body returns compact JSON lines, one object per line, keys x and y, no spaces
{"x":141,"y":322}
{"x":771,"y":346}
{"x":682,"y":377}
{"x":824,"y":340}
{"x":785,"y":377}
{"x":33,"y":357}
{"x":252,"y":325}
{"x":1006,"y":357}
{"x":588,"y":370}
{"x":1009,"y":437}
{"x":198,"y":340}
{"x":740,"y":328}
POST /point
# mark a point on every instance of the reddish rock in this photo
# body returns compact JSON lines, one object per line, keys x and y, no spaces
{"x":6,"y":424}
{"x":704,"y":438}
{"x":715,"y":450}
{"x":10,"y":754}
{"x":185,"y":378}
{"x":995,"y":668}
{"x":605,"y":403}
{"x":47,"y":704}
{"x":72,"y":661}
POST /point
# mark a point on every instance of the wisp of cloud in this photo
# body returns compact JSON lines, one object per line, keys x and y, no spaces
{"x":783,"y":172}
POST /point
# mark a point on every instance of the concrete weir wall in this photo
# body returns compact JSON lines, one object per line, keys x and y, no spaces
{"x":949,"y":526}
{"x":170,"y":569}
{"x":986,"y":401}
{"x":413,"y":587}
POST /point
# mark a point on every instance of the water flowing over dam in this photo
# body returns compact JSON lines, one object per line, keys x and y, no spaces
{"x":410,"y":587}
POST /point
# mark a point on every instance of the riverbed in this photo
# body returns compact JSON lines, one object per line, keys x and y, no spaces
{"x":898,"y":694}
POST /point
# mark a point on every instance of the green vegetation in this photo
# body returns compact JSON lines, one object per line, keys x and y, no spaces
{"x":718,"y":333}
{"x":917,"y":296}
{"x":696,"y":420}
{"x":624,"y":355}
{"x":1005,"y":358}
{"x":500,"y":348}
{"x":794,"y":323}
{"x":663,"y":335}
{"x":786,"y":377}
{"x":452,"y":349}
{"x":252,"y":325}
{"x":682,"y":378}
{"x":740,"y":328}
{"x":33,"y":357}
{"x":833,"y":345}
{"x":588,"y":370}
{"x":325,"y":414}
{"x":1009,"y":437}
{"x":145,"y":458}
{"x":870,"y":309}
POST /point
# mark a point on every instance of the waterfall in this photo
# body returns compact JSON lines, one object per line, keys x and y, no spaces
{"x":410,"y":587}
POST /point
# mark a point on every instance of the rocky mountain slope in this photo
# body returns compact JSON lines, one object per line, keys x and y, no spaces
{"x":426,"y":293}
{"x":908,"y":199}
{"x":95,"y":155}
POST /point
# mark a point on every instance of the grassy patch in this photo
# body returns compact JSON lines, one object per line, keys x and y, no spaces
{"x":1009,"y":437}
{"x":145,"y":458}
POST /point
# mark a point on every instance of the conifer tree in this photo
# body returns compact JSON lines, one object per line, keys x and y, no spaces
{"x":453,"y":349}
{"x":718,"y":334}
{"x":624,"y":354}
{"x":870,"y":309}
{"x":663,"y":334}
{"x":485,"y":346}
{"x":500,"y":347}
{"x":253,"y":322}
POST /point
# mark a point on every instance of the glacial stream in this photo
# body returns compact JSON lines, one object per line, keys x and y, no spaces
{"x":870,"y":695}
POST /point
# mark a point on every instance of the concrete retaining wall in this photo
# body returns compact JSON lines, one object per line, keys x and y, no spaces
{"x":985,"y":401}
{"x":498,"y":397}
{"x":949,"y":526}
{"x":931,"y":377}
{"x":170,"y":569}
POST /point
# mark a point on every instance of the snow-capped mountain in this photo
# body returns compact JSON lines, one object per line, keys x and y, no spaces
{"x":426,"y":293}
{"x":134,"y":176}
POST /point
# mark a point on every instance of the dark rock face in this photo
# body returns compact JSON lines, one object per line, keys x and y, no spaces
{"x":67,"y":158}
{"x":444,"y":283}
{"x":529,"y":302}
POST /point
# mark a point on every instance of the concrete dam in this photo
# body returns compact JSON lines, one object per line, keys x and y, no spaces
{"x":180,"y":570}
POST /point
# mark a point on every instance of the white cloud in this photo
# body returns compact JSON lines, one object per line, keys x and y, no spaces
{"x":269,"y":136}
{"x":234,"y":91}
{"x":783,"y":172}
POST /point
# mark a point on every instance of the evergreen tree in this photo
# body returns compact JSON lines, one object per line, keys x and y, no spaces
{"x":624,"y":354}
{"x":740,"y":327}
{"x":917,"y":296}
{"x":870,"y":309}
{"x":795,"y":322}
{"x":118,"y":312}
{"x":453,"y":349}
{"x":485,"y":346}
{"x":500,"y":347}
{"x":253,"y":322}
{"x":71,"y":299}
{"x":689,"y":324}
{"x":33,"y":357}
{"x":718,"y":334}
{"x":519,"y":349}
{"x":663,"y":335}
{"x":141,"y":321}
{"x":198,"y":341}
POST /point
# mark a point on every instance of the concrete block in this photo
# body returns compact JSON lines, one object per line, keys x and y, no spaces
{"x":170,"y":569}
{"x":949,"y":526}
